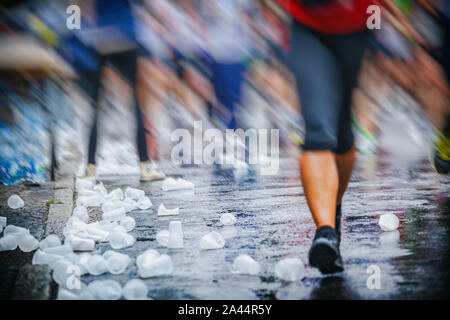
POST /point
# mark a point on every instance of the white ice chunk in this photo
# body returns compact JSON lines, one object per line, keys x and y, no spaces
{"x":59,"y":250}
{"x":2,"y":222}
{"x":117,"y":262}
{"x":78,"y":260}
{"x":27,"y":242}
{"x":8,"y":242}
{"x":163,"y":237}
{"x":81,"y":213}
{"x":147,"y":256}
{"x":158,"y":266}
{"x":52,"y":240}
{"x":119,"y":239}
{"x":64,"y":294}
{"x":135,"y":289}
{"x":96,"y":265}
{"x":114,"y":215}
{"x":90,"y":201}
{"x":175,"y":235}
{"x":87,"y":183}
{"x":105,"y":289}
{"x":290,"y":269}
{"x":86,"y":193}
{"x":144,"y":203}
{"x":129,"y":204}
{"x":212,"y":240}
{"x":100,"y":189}
{"x":80,"y":244}
{"x":15,"y":202}
{"x":163,"y":211}
{"x":228,"y":219}
{"x":388,"y":222}
{"x":116,"y":194}
{"x":133,"y":193}
{"x":244,"y":264}
{"x":15,"y":231}
{"x":62,"y":270}
{"x":170,"y":184}
{"x":128,"y":223}
{"x":41,"y":257}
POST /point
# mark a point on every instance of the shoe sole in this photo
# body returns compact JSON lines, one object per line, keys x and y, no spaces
{"x":324,"y":257}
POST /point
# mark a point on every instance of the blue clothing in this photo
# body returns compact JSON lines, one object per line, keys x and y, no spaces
{"x":116,"y":13}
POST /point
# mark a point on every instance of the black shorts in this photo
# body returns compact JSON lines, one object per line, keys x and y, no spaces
{"x":326,"y":68}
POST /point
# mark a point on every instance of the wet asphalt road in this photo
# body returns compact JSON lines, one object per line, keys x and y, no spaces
{"x":273,"y":222}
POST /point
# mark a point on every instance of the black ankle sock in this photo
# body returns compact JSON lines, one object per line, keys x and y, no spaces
{"x":338,"y":221}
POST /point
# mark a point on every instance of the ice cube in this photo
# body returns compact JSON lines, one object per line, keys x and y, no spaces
{"x":42,"y":257}
{"x":175,"y":235}
{"x":114,"y":215}
{"x":135,"y":289}
{"x":163,"y":237}
{"x":80,"y":244}
{"x":133,"y":193}
{"x":119,"y":239}
{"x":116,"y":194}
{"x":162,"y":211}
{"x":117,"y":262}
{"x":158,"y":266}
{"x":144,"y":203}
{"x":78,"y":260}
{"x":14,"y":231}
{"x":86,"y":193}
{"x":8,"y":242}
{"x":129,"y":204}
{"x":15,"y":202}
{"x":2,"y":223}
{"x":81,"y":213}
{"x":62,"y":270}
{"x":64,"y":294}
{"x":390,"y":237}
{"x":96,"y":265}
{"x":244,"y":264}
{"x":212,"y":240}
{"x":170,"y":184}
{"x":147,"y":256}
{"x":100,"y":189}
{"x":84,"y":183}
{"x":128,"y":223}
{"x":52,"y":240}
{"x":105,"y":225}
{"x":59,"y":250}
{"x":228,"y":219}
{"x":388,"y":222}
{"x":90,"y":201}
{"x":105,"y":289}
{"x":27,"y":242}
{"x":290,"y":269}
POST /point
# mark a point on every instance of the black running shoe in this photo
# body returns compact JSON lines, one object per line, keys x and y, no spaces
{"x":324,"y":253}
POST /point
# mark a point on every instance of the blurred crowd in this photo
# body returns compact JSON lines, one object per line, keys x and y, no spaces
{"x":223,"y":62}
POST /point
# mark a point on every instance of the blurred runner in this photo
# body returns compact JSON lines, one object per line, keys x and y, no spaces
{"x":114,"y":40}
{"x":328,"y":41}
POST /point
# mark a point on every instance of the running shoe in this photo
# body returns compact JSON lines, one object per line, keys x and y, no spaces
{"x":441,"y":156}
{"x":324,"y":253}
{"x":149,"y":173}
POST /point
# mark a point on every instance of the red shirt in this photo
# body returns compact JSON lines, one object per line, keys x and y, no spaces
{"x":338,"y":17}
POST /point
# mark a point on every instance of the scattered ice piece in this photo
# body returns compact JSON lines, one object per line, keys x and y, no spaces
{"x":290,"y":269}
{"x":78,"y":260}
{"x":80,"y":244}
{"x":388,"y":222}
{"x":227,"y":219}
{"x":86,"y":193}
{"x":158,"y":266}
{"x":244,"y":264}
{"x":2,"y":222}
{"x":8,"y":242}
{"x":27,"y":243}
{"x":163,"y":237}
{"x":59,"y":250}
{"x":64,"y":294}
{"x":116,"y":194}
{"x":96,"y":265}
{"x":87,"y":183}
{"x":212,"y":240}
{"x":162,"y":211}
{"x":128,"y":223}
{"x":15,"y":202}
{"x":175,"y":235}
{"x":105,"y":225}
{"x":81,"y":213}
{"x":91,"y":201}
{"x":390,"y":237}
{"x":119,"y":239}
{"x":115,"y":215}
{"x":147,"y":256}
{"x":170,"y":184}
{"x":133,"y":193}
{"x":135,"y":289}
{"x":52,"y":240}
{"x":117,"y":262}
{"x":14,"y":231}
{"x":105,"y":289}
{"x":62,"y":270}
{"x":100,"y":189}
{"x":42,"y":257}
{"x":129,"y":204}
{"x":144,"y":203}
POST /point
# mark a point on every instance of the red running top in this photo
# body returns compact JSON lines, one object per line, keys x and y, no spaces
{"x":337,"y":17}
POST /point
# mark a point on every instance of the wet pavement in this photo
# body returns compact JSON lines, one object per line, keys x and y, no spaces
{"x":273,"y":222}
